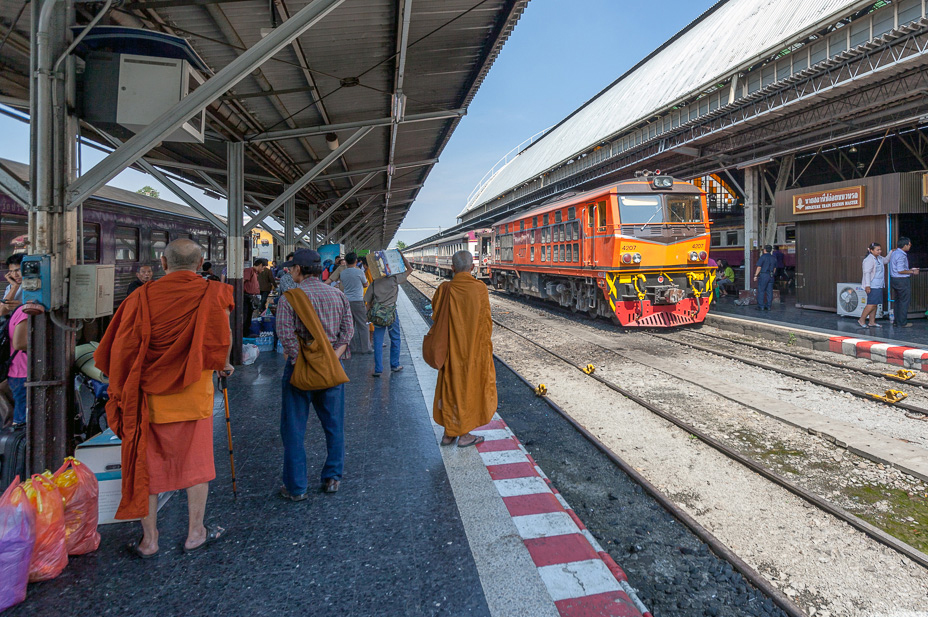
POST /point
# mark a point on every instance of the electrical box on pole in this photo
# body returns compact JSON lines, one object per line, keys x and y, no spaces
{"x":90,"y":292}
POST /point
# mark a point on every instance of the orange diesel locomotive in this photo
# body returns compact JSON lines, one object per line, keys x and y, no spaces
{"x":636,"y":252}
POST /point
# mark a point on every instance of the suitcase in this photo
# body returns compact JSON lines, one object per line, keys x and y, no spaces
{"x":12,"y":456}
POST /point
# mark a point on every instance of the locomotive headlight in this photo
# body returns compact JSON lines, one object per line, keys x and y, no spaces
{"x":637,"y":258}
{"x":703,"y":255}
{"x":694,"y":256}
{"x":627,"y":258}
{"x":662,"y":182}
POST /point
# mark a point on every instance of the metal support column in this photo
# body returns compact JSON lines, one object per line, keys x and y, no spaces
{"x":289,"y":224}
{"x":235,"y":247}
{"x":51,"y":232}
{"x":751,"y":214}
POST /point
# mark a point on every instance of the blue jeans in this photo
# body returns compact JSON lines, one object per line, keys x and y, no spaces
{"x":18,"y":387}
{"x":379,"y":332}
{"x":294,"y":413}
{"x":764,"y":290}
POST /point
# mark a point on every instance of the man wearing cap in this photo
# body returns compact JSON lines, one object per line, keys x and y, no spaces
{"x":334,"y":312}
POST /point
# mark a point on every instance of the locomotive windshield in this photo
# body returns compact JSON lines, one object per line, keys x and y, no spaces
{"x":656,"y":209}
{"x":640,"y":209}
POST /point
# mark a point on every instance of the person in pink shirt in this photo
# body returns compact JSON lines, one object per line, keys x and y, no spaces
{"x":19,"y":364}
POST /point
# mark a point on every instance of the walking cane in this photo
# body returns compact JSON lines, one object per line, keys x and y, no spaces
{"x":225,"y":395}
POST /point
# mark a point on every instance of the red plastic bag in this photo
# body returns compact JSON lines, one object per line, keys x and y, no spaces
{"x":50,"y":555}
{"x":17,"y":540}
{"x":80,"y":492}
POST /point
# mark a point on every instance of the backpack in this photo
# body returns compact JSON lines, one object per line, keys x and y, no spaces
{"x":6,"y":356}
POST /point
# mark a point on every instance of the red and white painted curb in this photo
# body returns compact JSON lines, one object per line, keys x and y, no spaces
{"x":582,"y":578}
{"x":907,"y":357}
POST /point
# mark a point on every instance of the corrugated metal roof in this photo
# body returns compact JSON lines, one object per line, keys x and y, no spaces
{"x":723,"y":39}
{"x":451,"y":46}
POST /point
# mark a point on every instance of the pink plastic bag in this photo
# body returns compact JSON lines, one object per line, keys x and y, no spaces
{"x":17,"y":539}
{"x":81,"y":492}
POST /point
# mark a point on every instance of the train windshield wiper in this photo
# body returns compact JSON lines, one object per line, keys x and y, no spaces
{"x":656,"y":212}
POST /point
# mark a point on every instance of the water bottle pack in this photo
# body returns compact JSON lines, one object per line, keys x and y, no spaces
{"x":265,"y":341}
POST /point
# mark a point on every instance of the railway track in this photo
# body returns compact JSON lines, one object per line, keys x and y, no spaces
{"x":818,"y":502}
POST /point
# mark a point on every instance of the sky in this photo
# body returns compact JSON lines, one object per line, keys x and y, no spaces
{"x":560,"y":55}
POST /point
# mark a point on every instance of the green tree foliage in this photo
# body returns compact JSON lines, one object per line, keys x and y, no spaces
{"x":147,"y":190}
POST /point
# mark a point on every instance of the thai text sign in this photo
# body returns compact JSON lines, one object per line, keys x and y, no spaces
{"x":846,"y":198}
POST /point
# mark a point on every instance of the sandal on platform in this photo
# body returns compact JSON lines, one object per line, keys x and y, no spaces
{"x":447,"y":441}
{"x":475,"y":441}
{"x":213,"y":533}
{"x":133,"y":548}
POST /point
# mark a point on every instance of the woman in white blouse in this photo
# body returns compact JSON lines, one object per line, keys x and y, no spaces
{"x":874,"y":282}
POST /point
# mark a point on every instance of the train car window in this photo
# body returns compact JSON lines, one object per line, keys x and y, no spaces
{"x":714,"y":239}
{"x":731,"y":238}
{"x":91,"y":243}
{"x":14,"y":232}
{"x":127,"y":244}
{"x":790,"y":234}
{"x":576,"y":252}
{"x":219,"y":248}
{"x":534,"y":221}
{"x":546,"y":219}
{"x":640,"y":209}
{"x":557,"y":216}
{"x":554,"y":254}
{"x":684,"y":208}
{"x":543,"y":252}
{"x":562,"y":253}
{"x":159,"y":240}
{"x":571,"y":213}
{"x":521,"y":225}
{"x":576,"y":230}
{"x":532,"y":254}
{"x":570,"y":253}
{"x":601,"y":207}
{"x":591,"y":215}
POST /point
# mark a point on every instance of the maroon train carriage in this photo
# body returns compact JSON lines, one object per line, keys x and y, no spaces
{"x":120,"y":227}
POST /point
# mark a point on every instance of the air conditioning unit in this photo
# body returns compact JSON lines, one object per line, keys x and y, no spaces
{"x":852,"y":298}
{"x":132,"y":91}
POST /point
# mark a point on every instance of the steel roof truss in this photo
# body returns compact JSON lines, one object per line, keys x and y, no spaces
{"x":331,"y":128}
{"x":190,"y":105}
{"x":331,"y":209}
{"x":13,"y":187}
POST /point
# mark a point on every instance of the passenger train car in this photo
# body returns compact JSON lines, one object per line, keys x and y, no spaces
{"x":726,"y":241}
{"x":636,"y":252}
{"x":120,"y":227}
{"x":435,"y":257}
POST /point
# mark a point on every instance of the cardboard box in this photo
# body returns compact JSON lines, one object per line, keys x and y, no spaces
{"x":385,"y":263}
{"x":103,"y":454}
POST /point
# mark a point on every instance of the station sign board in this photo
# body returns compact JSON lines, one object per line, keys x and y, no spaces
{"x":846,"y":198}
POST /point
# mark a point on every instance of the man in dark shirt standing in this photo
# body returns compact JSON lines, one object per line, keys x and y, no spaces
{"x":763,"y":275}
{"x":141,"y":277}
{"x":780,"y":273}
{"x":266,"y":282}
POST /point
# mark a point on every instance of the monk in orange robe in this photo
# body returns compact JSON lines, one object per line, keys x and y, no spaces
{"x":459,"y":345}
{"x":159,"y":353}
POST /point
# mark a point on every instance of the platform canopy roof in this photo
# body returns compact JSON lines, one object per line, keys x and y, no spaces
{"x":404,"y":69}
{"x":730,"y":37}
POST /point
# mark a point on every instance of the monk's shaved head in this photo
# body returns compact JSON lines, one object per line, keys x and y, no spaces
{"x":462,"y":261}
{"x":182,"y":254}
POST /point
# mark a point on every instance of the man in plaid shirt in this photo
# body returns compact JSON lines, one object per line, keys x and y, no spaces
{"x":334,"y":312}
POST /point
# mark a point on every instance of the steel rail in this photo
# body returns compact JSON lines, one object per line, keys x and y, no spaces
{"x":715,"y":545}
{"x":864,"y":527}
{"x":782,"y":371}
{"x":806,"y":358}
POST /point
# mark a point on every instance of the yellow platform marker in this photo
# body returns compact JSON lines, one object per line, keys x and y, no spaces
{"x":541,"y":390}
{"x":891,"y":396}
{"x":901,"y":375}
{"x":588,"y":369}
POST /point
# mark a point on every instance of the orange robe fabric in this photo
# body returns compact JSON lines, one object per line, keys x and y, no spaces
{"x":159,"y":342}
{"x":465,"y":395}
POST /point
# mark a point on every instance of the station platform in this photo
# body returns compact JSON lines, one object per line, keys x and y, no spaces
{"x":415,"y":529}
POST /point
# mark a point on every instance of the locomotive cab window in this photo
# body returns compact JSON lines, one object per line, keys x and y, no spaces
{"x":591,"y":215}
{"x":601,"y":208}
{"x":684,"y":208}
{"x":640,"y":209}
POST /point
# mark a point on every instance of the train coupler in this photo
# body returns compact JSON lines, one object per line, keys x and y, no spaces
{"x":890,"y":396}
{"x":901,"y":375}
